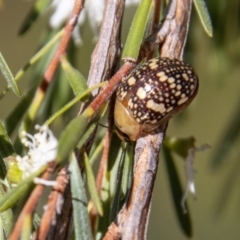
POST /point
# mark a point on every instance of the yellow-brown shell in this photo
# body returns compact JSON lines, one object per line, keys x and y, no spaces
{"x":152,"y":94}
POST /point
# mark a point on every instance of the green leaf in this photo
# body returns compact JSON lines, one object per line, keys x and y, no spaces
{"x":177,"y":193}
{"x":6,"y":217}
{"x":109,"y":182}
{"x":6,"y":150}
{"x":47,"y":47}
{"x":81,"y":221}
{"x":90,"y":129}
{"x":17,"y":114}
{"x":75,"y":78}
{"x":114,"y":150}
{"x":97,"y":152}
{"x":26,"y":228}
{"x":33,"y":15}
{"x":92,"y":185}
{"x":136,"y":32}
{"x":8,"y":76}
{"x":73,"y":133}
{"x":72,"y":102}
{"x":117,"y":197}
{"x":11,"y":198}
{"x":128,"y":168}
{"x":58,"y":94}
{"x":204,"y":16}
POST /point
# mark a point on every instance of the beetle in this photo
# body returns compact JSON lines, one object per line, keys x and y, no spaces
{"x":151,"y":95}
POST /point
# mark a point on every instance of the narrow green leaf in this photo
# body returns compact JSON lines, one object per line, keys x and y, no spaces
{"x":6,"y":72}
{"x":136,"y":32}
{"x":90,"y":129}
{"x":58,"y":94}
{"x":33,"y":15}
{"x":114,"y":151}
{"x":11,"y":198}
{"x":81,"y":221}
{"x":6,"y":217}
{"x":97,"y":152}
{"x":73,"y":133}
{"x":177,"y":193}
{"x":92,"y":185}
{"x":26,"y":228}
{"x":17,"y":114}
{"x":128,"y":168}
{"x":72,"y":102}
{"x":75,"y":78}
{"x":117,"y":197}
{"x":204,"y":16}
{"x":6,"y":150}
{"x":109,"y":183}
{"x":45,"y":49}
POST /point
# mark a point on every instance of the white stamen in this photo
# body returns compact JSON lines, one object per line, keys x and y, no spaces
{"x":44,"y":182}
{"x":42,"y":149}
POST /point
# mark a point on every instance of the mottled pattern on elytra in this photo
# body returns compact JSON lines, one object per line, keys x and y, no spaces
{"x":157,"y":88}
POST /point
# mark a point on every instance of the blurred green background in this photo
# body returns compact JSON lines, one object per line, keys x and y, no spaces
{"x":212,"y":118}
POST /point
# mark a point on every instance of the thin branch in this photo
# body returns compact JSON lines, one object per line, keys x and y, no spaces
{"x":106,"y":54}
{"x":101,"y":170}
{"x":70,"y":25}
{"x":52,"y":67}
{"x":31,"y":203}
{"x":155,"y":21}
{"x":64,"y":220}
{"x":104,"y":62}
{"x":156,"y":14}
{"x":131,"y":222}
{"x":107,"y":92}
{"x":54,"y":205}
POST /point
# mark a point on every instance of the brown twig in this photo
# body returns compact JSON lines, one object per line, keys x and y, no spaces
{"x":107,"y":92}
{"x":104,"y":62}
{"x":131,"y":222}
{"x":156,"y":14}
{"x":103,"y":162}
{"x":54,"y":205}
{"x":31,"y":203}
{"x":106,"y":55}
{"x":71,"y":23}
{"x":48,"y":76}
{"x":101,"y":170}
{"x":155,"y":21}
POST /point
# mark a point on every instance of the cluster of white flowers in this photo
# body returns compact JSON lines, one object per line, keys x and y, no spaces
{"x":42,"y":150}
{"x":93,"y":9}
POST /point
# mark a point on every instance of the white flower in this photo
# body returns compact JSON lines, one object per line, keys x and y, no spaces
{"x":190,"y":174}
{"x":93,"y":9}
{"x":42,"y":150}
